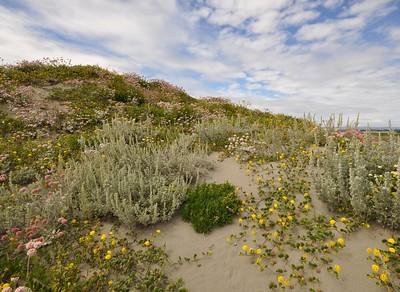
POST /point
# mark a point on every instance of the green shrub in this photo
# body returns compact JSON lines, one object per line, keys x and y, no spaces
{"x":210,"y":205}
{"x":125,"y":92}
{"x":44,"y":72}
{"x":24,"y":176}
{"x":82,"y":94}
{"x":145,"y":112}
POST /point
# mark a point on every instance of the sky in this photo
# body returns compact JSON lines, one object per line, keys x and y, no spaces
{"x":318,"y":56}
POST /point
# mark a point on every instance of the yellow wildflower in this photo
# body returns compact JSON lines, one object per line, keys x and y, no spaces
{"x":245,"y":248}
{"x":375,"y":268}
{"x":392,"y":250}
{"x":369,"y":250}
{"x":147,"y":243}
{"x":290,"y":218}
{"x":331,"y":243}
{"x":110,"y":283}
{"x":158,"y":231}
{"x":306,"y":207}
{"x":123,"y":250}
{"x":337,"y":268}
{"x":376,"y":252}
{"x":254,"y":216}
{"x":341,"y":241}
{"x":240,"y":220}
{"x":343,"y":220}
{"x":258,"y":251}
{"x":108,"y":257}
{"x":261,"y":221}
{"x":385,"y":259}
{"x":332,"y":222}
{"x":92,"y":233}
{"x":384,"y":277}
{"x":103,"y":237}
{"x":391,"y":241}
{"x":281,"y":279}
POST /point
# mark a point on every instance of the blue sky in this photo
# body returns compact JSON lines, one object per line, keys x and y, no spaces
{"x":295,"y":57}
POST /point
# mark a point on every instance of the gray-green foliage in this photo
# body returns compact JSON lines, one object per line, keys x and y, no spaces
{"x":269,"y":142}
{"x":362,"y":177}
{"x":129,"y":174}
{"x":217,"y":132}
{"x":20,"y":205}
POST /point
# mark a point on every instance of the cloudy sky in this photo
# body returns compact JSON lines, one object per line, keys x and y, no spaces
{"x":295,"y":57}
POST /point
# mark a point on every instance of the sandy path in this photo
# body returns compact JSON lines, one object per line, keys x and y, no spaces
{"x":225,"y":270}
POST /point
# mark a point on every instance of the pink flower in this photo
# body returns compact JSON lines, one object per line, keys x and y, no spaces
{"x":4,"y":237}
{"x":37,"y":244}
{"x":35,"y":190}
{"x":23,"y":190}
{"x":22,"y":289}
{"x":19,"y":233}
{"x":46,"y":177}
{"x":62,"y":221}
{"x":8,"y":289}
{"x":30,"y":245}
{"x":59,"y":234}
{"x":31,"y":252}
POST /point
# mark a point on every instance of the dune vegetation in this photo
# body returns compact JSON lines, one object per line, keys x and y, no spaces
{"x":92,"y":162}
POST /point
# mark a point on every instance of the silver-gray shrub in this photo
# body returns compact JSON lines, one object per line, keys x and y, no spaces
{"x":217,"y":132}
{"x":362,"y":177}
{"x":269,"y":142}
{"x":129,"y":174}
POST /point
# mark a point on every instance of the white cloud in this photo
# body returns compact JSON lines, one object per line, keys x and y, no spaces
{"x":394,"y":33}
{"x":329,"y":29}
{"x":301,"y":17}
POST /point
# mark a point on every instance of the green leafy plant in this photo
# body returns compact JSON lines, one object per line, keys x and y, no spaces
{"x":124,"y":92}
{"x":210,"y":205}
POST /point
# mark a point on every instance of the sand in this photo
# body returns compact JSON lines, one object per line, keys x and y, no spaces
{"x":226,"y":270}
